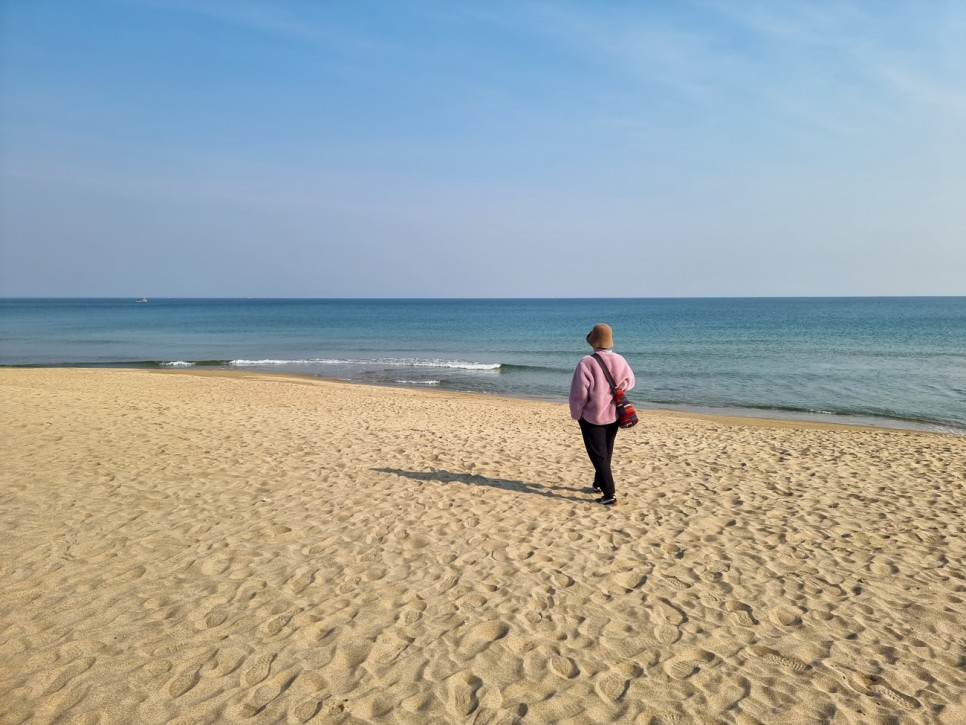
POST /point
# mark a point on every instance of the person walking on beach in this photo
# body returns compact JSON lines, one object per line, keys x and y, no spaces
{"x":592,"y":406}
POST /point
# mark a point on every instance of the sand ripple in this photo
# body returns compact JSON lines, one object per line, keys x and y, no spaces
{"x":184,"y":548}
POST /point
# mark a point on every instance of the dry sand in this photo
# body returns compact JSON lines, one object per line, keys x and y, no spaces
{"x":214,"y":548}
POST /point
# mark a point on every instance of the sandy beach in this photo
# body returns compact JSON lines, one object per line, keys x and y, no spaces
{"x":215,"y":547}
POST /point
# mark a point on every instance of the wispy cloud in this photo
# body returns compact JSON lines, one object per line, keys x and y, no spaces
{"x":837,"y":68}
{"x":266,"y":18}
{"x":315,"y":24}
{"x":905,"y":56}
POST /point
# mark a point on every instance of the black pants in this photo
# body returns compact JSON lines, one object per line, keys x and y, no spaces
{"x":599,"y":442}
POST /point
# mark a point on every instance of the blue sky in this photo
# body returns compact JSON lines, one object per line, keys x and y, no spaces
{"x":424,"y":149}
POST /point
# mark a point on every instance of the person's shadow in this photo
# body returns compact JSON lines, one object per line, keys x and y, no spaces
{"x":505,"y":484}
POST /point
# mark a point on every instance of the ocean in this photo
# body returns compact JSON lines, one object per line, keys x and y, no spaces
{"x":898,"y":362}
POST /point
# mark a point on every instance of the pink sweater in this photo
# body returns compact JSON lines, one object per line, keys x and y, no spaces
{"x":590,"y":396}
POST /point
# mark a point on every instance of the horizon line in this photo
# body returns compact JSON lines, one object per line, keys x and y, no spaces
{"x":481,"y":298}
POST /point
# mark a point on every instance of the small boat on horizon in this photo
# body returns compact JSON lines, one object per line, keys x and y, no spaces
{"x":141,"y":299}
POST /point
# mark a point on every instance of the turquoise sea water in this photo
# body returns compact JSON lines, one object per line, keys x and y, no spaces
{"x":891,"y":361}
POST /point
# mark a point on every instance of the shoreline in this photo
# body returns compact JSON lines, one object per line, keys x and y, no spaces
{"x":729,"y":414}
{"x":842,"y":360}
{"x":724,"y":419}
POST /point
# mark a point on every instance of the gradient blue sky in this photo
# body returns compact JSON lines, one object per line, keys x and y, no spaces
{"x":484,"y":149}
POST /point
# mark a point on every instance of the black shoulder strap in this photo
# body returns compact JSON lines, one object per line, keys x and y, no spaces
{"x":610,"y":380}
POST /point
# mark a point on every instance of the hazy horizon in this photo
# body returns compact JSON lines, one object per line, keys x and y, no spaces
{"x":479,"y":298}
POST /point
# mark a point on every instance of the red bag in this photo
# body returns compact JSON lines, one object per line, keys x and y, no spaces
{"x":626,"y":415}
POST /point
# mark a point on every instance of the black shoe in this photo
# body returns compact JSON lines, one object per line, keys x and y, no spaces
{"x":596,"y":489}
{"x":608,"y":500}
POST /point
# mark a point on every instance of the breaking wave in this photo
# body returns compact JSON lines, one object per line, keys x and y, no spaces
{"x":385,"y":362}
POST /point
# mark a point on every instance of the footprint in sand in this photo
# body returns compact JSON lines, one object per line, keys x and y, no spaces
{"x":245,"y":710}
{"x":473,"y":601}
{"x":629,"y":670}
{"x":448,"y":583}
{"x":786,"y":617}
{"x":462,"y":692}
{"x":480,"y":636}
{"x":669,"y":613}
{"x":669,"y":717}
{"x":897,"y":698}
{"x":666,"y":634}
{"x":874,"y":685}
{"x":421,"y":702}
{"x":66,"y":702}
{"x":561,"y":580}
{"x":740,"y":613}
{"x":624,"y":582}
{"x":275,"y":624}
{"x":680,"y":669}
{"x":258,"y":670}
{"x":345,"y":665}
{"x":410,"y":616}
{"x":306,"y":710}
{"x":259,"y":700}
{"x":883,"y":567}
{"x":769,"y":655}
{"x":389,"y":645}
{"x":135,"y":573}
{"x":564,"y":666}
{"x":157,"y":667}
{"x":611,"y":686}
{"x":687,"y":663}
{"x":215,"y":566}
{"x":215,"y":617}
{"x":69,"y":672}
{"x":672,"y":550}
{"x":302,"y":579}
{"x":730,"y":694}
{"x":416,"y":542}
{"x":349,"y":585}
{"x":168,"y":650}
{"x":183,"y":682}
{"x":675,"y":583}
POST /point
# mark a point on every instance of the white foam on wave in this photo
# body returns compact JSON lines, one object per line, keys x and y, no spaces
{"x":417,"y":382}
{"x":177,"y":364}
{"x":456,"y":364}
{"x":385,"y":362}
